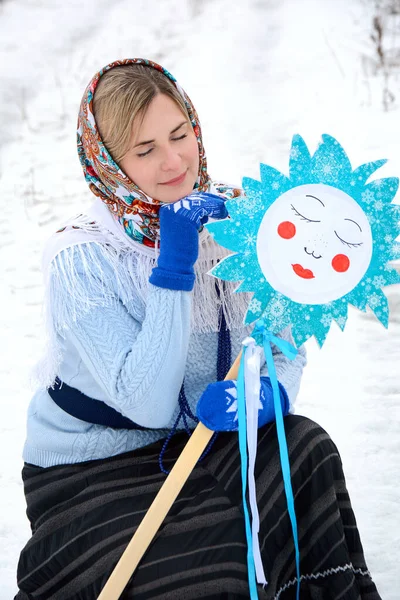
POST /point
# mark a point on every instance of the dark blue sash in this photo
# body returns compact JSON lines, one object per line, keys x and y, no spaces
{"x":77,"y":404}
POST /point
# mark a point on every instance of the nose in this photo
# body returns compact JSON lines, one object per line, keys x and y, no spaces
{"x":312,"y":253}
{"x":171,"y":160}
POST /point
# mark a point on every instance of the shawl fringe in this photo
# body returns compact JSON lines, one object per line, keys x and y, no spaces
{"x":87,"y":266}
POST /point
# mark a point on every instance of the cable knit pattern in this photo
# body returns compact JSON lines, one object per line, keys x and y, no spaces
{"x":136,"y":365}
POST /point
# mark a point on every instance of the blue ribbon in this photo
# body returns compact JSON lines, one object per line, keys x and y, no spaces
{"x":260,"y":333}
{"x":290,"y":352}
{"x":267,"y":339}
{"x":242,"y":429}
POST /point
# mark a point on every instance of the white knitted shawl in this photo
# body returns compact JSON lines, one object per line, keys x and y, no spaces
{"x":70,"y":294}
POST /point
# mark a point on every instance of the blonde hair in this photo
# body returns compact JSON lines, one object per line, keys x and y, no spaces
{"x":123,"y":94}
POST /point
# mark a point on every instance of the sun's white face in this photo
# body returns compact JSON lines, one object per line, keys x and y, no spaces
{"x":309,"y":250}
{"x":314,"y":244}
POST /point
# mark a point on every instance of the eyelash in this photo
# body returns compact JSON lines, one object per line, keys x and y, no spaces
{"x":302,"y":216}
{"x":142,"y":154}
{"x":348,"y":244}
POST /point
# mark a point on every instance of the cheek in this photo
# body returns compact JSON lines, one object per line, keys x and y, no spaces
{"x":137,"y":172}
{"x":286,"y":230}
{"x":340,"y":263}
{"x":192,"y":151}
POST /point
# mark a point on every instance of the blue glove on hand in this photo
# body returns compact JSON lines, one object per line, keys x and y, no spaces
{"x":179,"y":231}
{"x":217,"y":408}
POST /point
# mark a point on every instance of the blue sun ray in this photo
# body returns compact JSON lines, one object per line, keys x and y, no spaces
{"x":330,"y":164}
{"x":259,"y":303}
{"x":341,"y":321}
{"x":340,"y":313}
{"x":394,"y":209}
{"x":364,"y":172}
{"x":246,"y":286}
{"x":305,"y":328}
{"x":299,"y":162}
{"x":358,"y":296}
{"x":395,"y":252}
{"x":378,"y":303}
{"x":256,"y":185}
{"x":392,"y":275}
{"x":274,"y":182}
{"x":379,"y":192}
{"x":233,"y":208}
{"x":228,"y":269}
{"x":229,"y":234}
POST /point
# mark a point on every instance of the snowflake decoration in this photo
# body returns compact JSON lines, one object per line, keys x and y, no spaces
{"x":326,"y":320}
{"x":341,"y":321}
{"x":254,"y":306}
{"x":326,"y":177}
{"x":251,"y":239}
{"x":367,"y":196}
{"x":378,"y":281}
{"x":374,"y":300}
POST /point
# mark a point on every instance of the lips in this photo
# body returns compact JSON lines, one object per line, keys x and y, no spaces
{"x":176,"y":180}
{"x":301,"y":272}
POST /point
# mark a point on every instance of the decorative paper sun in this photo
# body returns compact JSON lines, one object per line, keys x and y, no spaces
{"x":309,"y":244}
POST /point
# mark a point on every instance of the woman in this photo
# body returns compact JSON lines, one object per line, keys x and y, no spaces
{"x":137,"y":332}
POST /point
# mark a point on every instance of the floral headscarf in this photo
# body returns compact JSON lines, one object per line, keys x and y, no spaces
{"x":137,"y":212}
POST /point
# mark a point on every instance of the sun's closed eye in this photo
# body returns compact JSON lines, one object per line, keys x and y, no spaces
{"x":348,"y":244}
{"x":302,"y":217}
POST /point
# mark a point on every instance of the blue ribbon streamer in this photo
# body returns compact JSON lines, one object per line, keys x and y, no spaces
{"x":242,"y":429}
{"x":288,"y":350}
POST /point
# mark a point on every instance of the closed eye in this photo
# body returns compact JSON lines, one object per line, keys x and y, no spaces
{"x":141,"y":154}
{"x":303,"y":218}
{"x":348,"y":244}
{"x":181,"y":137}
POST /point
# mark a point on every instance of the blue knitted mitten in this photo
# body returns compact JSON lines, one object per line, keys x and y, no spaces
{"x":217,"y":408}
{"x":179,"y":232}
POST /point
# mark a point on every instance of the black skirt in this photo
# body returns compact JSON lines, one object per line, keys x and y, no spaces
{"x":83,"y":516}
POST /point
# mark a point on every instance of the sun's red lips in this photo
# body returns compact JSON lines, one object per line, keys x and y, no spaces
{"x":301,"y":272}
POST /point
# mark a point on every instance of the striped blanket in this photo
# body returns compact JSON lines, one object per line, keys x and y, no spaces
{"x":83,"y":516}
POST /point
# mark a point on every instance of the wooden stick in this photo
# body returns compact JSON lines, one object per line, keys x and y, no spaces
{"x":160,"y":506}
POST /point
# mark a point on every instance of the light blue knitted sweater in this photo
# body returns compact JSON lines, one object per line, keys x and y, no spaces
{"x":134,"y":357}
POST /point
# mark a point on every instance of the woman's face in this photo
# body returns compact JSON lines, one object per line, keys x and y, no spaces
{"x":163,"y":157}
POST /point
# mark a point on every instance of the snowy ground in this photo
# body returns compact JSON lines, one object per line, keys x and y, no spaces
{"x":257,"y":71}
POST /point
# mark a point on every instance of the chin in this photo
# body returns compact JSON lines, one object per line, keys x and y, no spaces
{"x":178,"y":194}
{"x":170,"y":198}
{"x":188,"y":188}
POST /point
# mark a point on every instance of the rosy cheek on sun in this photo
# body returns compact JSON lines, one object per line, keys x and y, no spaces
{"x":341,"y":263}
{"x":286,"y":230}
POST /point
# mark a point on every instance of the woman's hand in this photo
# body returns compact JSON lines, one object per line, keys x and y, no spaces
{"x":217,"y":408}
{"x":195,"y":208}
{"x":180,"y":223}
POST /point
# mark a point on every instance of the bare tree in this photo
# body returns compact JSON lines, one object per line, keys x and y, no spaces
{"x":385,"y":38}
